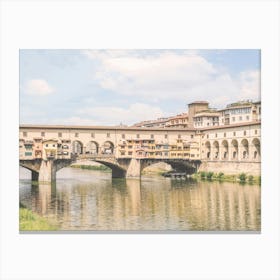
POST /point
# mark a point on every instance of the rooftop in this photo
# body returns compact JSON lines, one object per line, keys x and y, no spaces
{"x":240,"y":103}
{"x":199,"y":102}
{"x":210,"y":112}
{"x":116,"y":128}
{"x":179,"y":116}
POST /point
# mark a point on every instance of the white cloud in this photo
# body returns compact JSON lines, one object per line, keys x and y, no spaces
{"x":38,"y":87}
{"x":110,"y":115}
{"x":171,"y":75}
{"x":73,"y":121}
{"x":104,"y":54}
{"x":250,"y":85}
{"x":117,"y":115}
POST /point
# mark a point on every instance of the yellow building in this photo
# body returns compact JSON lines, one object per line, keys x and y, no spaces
{"x":50,"y":149}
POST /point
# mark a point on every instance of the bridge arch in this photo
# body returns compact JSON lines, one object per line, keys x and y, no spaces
{"x":179,"y":165}
{"x":108,"y":147}
{"x":244,"y":149}
{"x":224,"y":149}
{"x":92,"y":147}
{"x":234,"y":146}
{"x":33,"y":166}
{"x":256,"y":149}
{"x":117,"y":170}
{"x":77,"y":147}
{"x":28,"y":167}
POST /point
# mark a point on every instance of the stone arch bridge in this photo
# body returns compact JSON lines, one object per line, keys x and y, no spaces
{"x":45,"y":170}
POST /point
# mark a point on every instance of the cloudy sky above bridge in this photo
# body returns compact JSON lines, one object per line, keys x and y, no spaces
{"x":109,"y":87}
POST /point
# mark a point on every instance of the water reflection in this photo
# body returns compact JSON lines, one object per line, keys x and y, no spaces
{"x":91,"y":200}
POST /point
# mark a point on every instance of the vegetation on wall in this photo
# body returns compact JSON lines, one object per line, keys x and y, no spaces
{"x":242,"y":177}
{"x":92,"y":167}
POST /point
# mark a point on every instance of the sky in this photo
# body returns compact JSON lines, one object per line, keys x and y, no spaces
{"x":113,"y":87}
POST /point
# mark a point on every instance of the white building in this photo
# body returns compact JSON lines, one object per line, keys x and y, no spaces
{"x":240,"y":112}
{"x":206,"y":118}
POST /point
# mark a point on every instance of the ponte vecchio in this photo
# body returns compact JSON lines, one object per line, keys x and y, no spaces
{"x":203,"y":139}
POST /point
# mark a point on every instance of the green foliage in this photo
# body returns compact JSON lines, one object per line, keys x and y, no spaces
{"x":203,"y":174}
{"x":92,"y":167}
{"x":209,"y":175}
{"x":242,"y":177}
{"x":250,"y":178}
{"x":33,"y":222}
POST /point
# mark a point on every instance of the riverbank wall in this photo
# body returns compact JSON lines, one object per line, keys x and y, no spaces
{"x":237,"y":167}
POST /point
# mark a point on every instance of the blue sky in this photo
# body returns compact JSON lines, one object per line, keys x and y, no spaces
{"x":109,"y":87}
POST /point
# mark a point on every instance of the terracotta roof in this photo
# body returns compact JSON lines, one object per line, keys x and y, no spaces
{"x":131,"y":128}
{"x":115,"y":128}
{"x":180,"y":116}
{"x":157,"y":121}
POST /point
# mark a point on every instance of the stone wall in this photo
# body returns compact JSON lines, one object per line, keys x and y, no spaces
{"x":236,"y":167}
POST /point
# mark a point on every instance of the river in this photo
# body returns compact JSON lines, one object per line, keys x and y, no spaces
{"x":91,"y":200}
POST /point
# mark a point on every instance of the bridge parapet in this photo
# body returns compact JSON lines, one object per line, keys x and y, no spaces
{"x":95,"y":156}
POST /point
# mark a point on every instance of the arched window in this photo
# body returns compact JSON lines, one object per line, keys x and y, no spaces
{"x":234,"y":147}
{"x":256,"y":148}
{"x":225,"y":149}
{"x":245,"y":148}
{"x":77,"y":147}
{"x":216,"y":149}
{"x":208,"y":149}
{"x":108,"y":148}
{"x":92,"y":148}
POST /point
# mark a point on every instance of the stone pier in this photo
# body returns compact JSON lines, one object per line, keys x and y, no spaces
{"x":47,"y":171}
{"x":134,"y":169}
{"x":34,"y":176}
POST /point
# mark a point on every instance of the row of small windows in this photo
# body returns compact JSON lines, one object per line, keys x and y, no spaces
{"x":47,"y":145}
{"x":207,"y":124}
{"x":239,"y":111}
{"x":215,"y":121}
{"x":151,"y":136}
{"x":233,"y":134}
{"x":59,"y":134}
{"x":240,"y":118}
{"x":199,"y":119}
{"x":108,"y":135}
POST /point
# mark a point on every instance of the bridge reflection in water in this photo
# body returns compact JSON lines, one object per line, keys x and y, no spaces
{"x":91,"y":200}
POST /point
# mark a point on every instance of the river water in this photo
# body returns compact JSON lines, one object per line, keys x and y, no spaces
{"x":92,"y":200}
